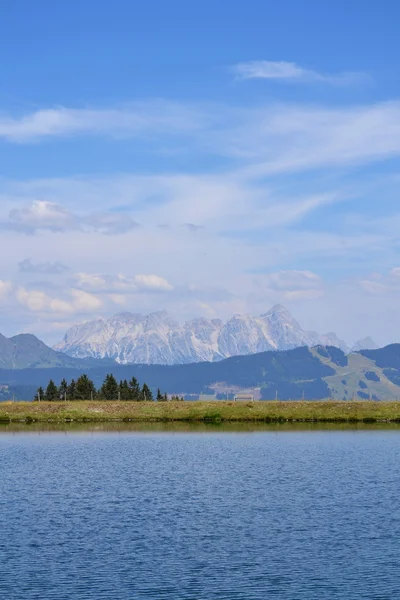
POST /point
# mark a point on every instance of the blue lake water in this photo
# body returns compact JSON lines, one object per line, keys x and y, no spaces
{"x":226,"y":516}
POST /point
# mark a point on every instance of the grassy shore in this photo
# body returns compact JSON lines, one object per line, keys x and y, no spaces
{"x":200,"y":412}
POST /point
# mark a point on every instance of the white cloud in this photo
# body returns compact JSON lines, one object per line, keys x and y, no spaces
{"x":135,"y":120}
{"x":374,"y":287}
{"x":75,"y":302}
{"x":382,"y":284}
{"x":279,"y":214}
{"x":110,"y":223}
{"x":6,"y":288}
{"x":42,"y":215}
{"x":152,"y":282}
{"x":288,"y":138}
{"x":292,"y":280}
{"x":121,"y":284}
{"x":265,"y":140}
{"x":251,"y":215}
{"x":193,"y":202}
{"x":91,"y":281}
{"x":289,"y":71}
{"x":395,"y":272}
{"x":33,"y":300}
{"x":262,"y":141}
{"x":83,"y":301}
{"x":118,"y":299}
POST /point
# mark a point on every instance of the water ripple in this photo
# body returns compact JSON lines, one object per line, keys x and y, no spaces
{"x":294,"y":516}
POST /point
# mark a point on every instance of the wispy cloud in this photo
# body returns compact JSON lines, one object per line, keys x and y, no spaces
{"x":258,"y":141}
{"x":41,"y":215}
{"x":121,"y":284}
{"x":388,"y":283}
{"x":192,"y":227}
{"x":291,"y":285}
{"x":293,"y":280}
{"x":195,"y":203}
{"x":134,"y":120}
{"x":47,"y":268}
{"x":290,"y":138}
{"x":291,"y":72}
{"x":267,"y":188}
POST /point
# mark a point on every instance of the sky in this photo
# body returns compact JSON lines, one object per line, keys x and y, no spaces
{"x":204,"y":158}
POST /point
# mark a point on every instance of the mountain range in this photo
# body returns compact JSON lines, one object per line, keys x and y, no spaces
{"x":156,"y":338}
{"x":310,"y":373}
{"x":272,"y":356}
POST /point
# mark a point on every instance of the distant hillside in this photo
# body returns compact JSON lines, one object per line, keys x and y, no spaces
{"x":27,"y":351}
{"x":320,"y":372}
{"x":388,"y":359}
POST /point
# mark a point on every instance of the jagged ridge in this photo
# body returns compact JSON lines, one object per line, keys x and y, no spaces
{"x":158,"y":339}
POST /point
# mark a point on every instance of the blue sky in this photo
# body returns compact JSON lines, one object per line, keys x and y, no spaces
{"x":205,"y":158}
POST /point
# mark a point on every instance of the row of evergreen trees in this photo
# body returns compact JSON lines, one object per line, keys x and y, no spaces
{"x":84,"y":389}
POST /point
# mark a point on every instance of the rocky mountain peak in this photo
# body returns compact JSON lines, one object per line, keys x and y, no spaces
{"x":278,"y":309}
{"x":157,"y":338}
{"x":365,"y":344}
{"x":280,"y":314}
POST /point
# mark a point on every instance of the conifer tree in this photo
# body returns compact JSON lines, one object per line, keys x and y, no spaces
{"x":109,"y":389}
{"x":146,"y":394}
{"x":124,"y":390}
{"x":84,"y":388}
{"x":63,"y":389}
{"x":40,"y":395}
{"x":161,"y":397}
{"x":71,"y":391}
{"x":135,"y":392}
{"x":51,"y":392}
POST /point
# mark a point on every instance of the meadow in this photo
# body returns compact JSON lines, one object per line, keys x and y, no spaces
{"x":328,"y":411}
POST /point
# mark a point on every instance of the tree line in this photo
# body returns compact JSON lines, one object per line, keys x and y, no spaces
{"x":84,"y":389}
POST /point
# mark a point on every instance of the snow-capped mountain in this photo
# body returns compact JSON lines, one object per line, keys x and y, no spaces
{"x":365,"y":344}
{"x":158,"y":339}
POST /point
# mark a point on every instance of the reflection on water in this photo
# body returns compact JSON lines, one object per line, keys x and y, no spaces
{"x":186,"y":427}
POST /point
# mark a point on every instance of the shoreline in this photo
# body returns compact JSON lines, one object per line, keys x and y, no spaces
{"x":327,"y":411}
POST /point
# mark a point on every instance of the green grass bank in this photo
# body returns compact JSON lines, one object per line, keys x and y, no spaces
{"x":200,"y":412}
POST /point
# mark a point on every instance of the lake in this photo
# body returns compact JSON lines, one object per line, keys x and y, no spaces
{"x":244,"y":514}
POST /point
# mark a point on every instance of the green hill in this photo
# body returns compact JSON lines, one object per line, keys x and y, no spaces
{"x":27,"y":351}
{"x":315,"y":373}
